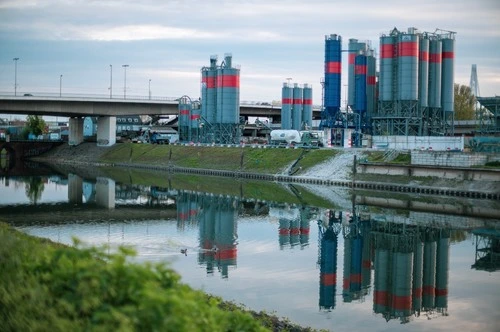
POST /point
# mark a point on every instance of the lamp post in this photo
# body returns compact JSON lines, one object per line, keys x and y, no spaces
{"x":15,"y":76}
{"x":60,"y":86}
{"x":125,"y":81}
{"x":149,"y":88}
{"x":110,"y":81}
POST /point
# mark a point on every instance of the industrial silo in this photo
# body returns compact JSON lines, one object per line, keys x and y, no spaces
{"x":429,"y":275}
{"x":346,"y":285}
{"x":208,"y":91}
{"x":297,"y":107}
{"x":360,"y":84}
{"x":381,"y":282}
{"x":184,"y":119}
{"x":304,"y":227}
{"x":286,"y":106}
{"x":328,"y":269}
{"x":386,"y":81}
{"x":195,"y":121}
{"x":408,"y":66}
{"x":284,"y":232}
{"x":442,"y":267}
{"x":371,"y":84}
{"x":225,"y":234}
{"x":228,"y":93}
{"x":402,"y":268}
{"x":294,"y":232}
{"x":447,"y":92}
{"x":307,"y":112}
{"x":366,"y":273}
{"x":435,"y":56}
{"x":333,"y":66}
{"x":423,"y":68}
{"x":418,"y":261}
{"x":355,"y":48}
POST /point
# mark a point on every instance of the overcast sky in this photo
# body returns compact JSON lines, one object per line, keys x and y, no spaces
{"x":169,"y":41}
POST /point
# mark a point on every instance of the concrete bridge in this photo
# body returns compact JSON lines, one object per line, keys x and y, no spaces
{"x":106,"y":109}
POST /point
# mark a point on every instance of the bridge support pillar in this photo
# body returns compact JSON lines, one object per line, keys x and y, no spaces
{"x":105,"y":192}
{"x":75,"y":131}
{"x":75,"y":187}
{"x":106,"y":131}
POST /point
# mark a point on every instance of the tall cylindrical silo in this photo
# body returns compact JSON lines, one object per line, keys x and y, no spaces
{"x":228,"y":93}
{"x":402,"y":269}
{"x":226,"y":234}
{"x":429,"y":275}
{"x":423,"y":68}
{"x":184,"y":119}
{"x":295,"y":232}
{"x":209,"y":91}
{"x":286,"y":106}
{"x":297,"y":107}
{"x":333,"y":70}
{"x":356,"y":263}
{"x":354,"y":48}
{"x":328,"y":270}
{"x":381,"y":282}
{"x":284,"y":232}
{"x":346,"y":285}
{"x":195,"y":124}
{"x":387,"y":49}
{"x":366,"y":273}
{"x":408,"y":67}
{"x":307,"y":112}
{"x":448,"y":74}
{"x":360,"y":83}
{"x":442,"y":266}
{"x":435,"y":56}
{"x":418,"y":261}
{"x":371,"y":81}
{"x":304,"y":228}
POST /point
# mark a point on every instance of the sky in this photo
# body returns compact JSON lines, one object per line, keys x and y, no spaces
{"x":167,"y":42}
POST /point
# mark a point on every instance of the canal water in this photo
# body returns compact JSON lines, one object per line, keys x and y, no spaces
{"x":321,"y":257}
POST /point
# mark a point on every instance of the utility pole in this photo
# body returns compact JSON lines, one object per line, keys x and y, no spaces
{"x":15,"y":76}
{"x":60,"y":86}
{"x":110,"y":81}
{"x":125,"y":81}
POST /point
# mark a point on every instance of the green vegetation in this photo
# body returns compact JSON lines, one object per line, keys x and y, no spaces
{"x":464,"y":102}
{"x":390,"y":157}
{"x":36,"y":125}
{"x":270,"y":161}
{"x":50,"y":287}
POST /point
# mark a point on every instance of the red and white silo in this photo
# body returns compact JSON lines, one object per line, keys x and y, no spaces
{"x":307,"y":103}
{"x":297,"y":107}
{"x":408,"y":66}
{"x":286,"y":106}
{"x":448,"y":74}
{"x":442,"y":267}
{"x":435,"y":56}
{"x":381,"y":282}
{"x":386,"y":81}
{"x":429,"y":275}
{"x":402,"y":268}
{"x":423,"y":67}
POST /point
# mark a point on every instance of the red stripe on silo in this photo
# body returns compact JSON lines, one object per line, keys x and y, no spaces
{"x":417,"y":292}
{"x":429,"y":290}
{"x":228,"y":81}
{"x":435,"y":57}
{"x":294,"y":231}
{"x":284,"y":231}
{"x":346,"y":283}
{"x":286,"y":101}
{"x":329,"y":279}
{"x":401,"y":302}
{"x":183,"y":216}
{"x":227,"y":254}
{"x":380,"y":297}
{"x":371,"y":80}
{"x":333,"y":67}
{"x":367,"y":264}
{"x":448,"y":55}
{"x":360,"y":70}
{"x":209,"y":81}
{"x":195,"y":117}
{"x":356,"y":278}
{"x":352,"y":58}
{"x":424,"y":56}
{"x":441,"y":292}
{"x":184,"y":112}
{"x":408,"y":49}
{"x":304,"y":231}
{"x":297,"y":101}
{"x":387,"y":51}
{"x":307,"y":102}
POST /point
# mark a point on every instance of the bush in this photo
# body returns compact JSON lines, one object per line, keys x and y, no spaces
{"x":51,"y":287}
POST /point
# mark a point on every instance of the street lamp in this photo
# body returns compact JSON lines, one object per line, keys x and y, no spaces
{"x":125,"y":81}
{"x":149,"y":88}
{"x":60,"y":86}
{"x":110,"y":81}
{"x":15,"y":76}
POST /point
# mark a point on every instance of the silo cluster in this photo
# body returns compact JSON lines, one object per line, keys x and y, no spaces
{"x":415,"y":83}
{"x":332,"y":81}
{"x":220,"y":102}
{"x":296,"y":106}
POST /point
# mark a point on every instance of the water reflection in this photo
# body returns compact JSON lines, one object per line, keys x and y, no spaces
{"x":398,"y":266}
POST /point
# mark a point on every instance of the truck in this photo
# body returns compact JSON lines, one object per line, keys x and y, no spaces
{"x":291,"y":137}
{"x":157,"y":135}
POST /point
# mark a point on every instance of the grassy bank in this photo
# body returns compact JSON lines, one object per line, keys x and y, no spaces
{"x":256,"y":160}
{"x":50,"y":287}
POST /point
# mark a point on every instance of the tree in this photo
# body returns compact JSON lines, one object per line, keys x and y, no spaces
{"x":464,"y":102}
{"x":36,"y":125}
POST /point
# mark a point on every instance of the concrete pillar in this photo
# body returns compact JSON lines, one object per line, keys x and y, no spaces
{"x":106,"y":131}
{"x":105,"y":192}
{"x":75,"y":189}
{"x":75,"y":131}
